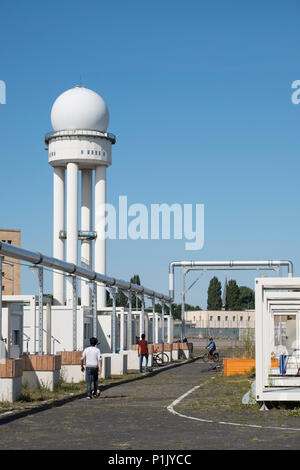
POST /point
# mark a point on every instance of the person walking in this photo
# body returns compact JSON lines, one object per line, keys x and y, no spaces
{"x":143,"y":352}
{"x":93,"y":358}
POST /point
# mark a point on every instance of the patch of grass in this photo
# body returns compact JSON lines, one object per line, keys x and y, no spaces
{"x":222,"y":396}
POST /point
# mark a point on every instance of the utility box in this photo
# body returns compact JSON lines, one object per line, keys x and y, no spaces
{"x":12,"y":328}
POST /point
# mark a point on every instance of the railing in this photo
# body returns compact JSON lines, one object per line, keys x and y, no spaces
{"x":106,"y":135}
{"x":55,"y":340}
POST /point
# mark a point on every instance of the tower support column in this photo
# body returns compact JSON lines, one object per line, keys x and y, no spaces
{"x":58,"y":226}
{"x":86,"y":225}
{"x":72,"y":223}
{"x":100,"y":242}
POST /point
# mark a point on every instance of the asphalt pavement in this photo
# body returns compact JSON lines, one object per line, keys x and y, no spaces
{"x":134,"y":416}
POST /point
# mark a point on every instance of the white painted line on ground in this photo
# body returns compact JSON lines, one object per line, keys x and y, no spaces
{"x":170,"y":408}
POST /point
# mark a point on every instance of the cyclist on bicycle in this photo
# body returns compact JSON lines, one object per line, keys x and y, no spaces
{"x":212,"y":346}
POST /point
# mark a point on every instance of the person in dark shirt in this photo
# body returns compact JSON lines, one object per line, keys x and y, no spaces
{"x":143,"y":352}
{"x":212,"y":346}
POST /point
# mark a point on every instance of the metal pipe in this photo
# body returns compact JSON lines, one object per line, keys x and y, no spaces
{"x":137,"y":288}
{"x":39,"y":259}
{"x":229,"y":264}
{"x":124,"y":285}
{"x":19,"y":253}
{"x":149,"y":293}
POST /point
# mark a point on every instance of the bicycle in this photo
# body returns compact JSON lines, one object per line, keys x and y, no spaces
{"x":160,"y":358}
{"x":207,"y":356}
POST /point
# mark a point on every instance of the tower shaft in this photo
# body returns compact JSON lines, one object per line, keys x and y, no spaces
{"x":86,"y":226}
{"x":100,"y":242}
{"x":58,"y":227}
{"x":72,"y":222}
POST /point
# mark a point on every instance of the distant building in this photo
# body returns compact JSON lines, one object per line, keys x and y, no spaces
{"x":221,"y":318}
{"x":11,"y":272}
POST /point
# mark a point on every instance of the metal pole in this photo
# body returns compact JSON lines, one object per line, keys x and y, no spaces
{"x":41,"y":282}
{"x":153,"y":319}
{"x":94,"y":307}
{"x":163,"y":322}
{"x":183,"y":271}
{"x":129,"y":296}
{"x":13,"y":279}
{"x":156,"y":340}
{"x":142,"y":316}
{"x":169,"y":317}
{"x":114,"y":321}
{"x":74,"y":307}
{"x":48,"y":328}
{"x":113,"y":292}
{"x":1,"y":266}
{"x":129,"y":340}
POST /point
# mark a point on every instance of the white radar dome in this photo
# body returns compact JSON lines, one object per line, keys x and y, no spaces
{"x":79,"y":108}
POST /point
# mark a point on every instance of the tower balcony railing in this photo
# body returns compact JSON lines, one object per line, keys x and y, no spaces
{"x":84,"y":132}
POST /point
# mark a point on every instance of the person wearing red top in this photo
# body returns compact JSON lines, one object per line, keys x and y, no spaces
{"x":143,"y":352}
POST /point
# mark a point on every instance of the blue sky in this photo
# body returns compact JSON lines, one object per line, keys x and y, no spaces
{"x":199,"y":95}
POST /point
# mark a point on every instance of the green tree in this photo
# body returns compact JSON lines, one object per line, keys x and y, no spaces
{"x":176,"y":310}
{"x":214,"y":297}
{"x":233,"y":296}
{"x":108,"y":299}
{"x":122,"y":299}
{"x":247,"y":298}
{"x":50,"y":296}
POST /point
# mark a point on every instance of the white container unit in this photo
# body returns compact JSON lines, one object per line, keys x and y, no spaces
{"x":57,"y":328}
{"x":277,"y":332}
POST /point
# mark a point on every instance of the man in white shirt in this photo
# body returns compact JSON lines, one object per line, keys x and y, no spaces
{"x":93,"y":358}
